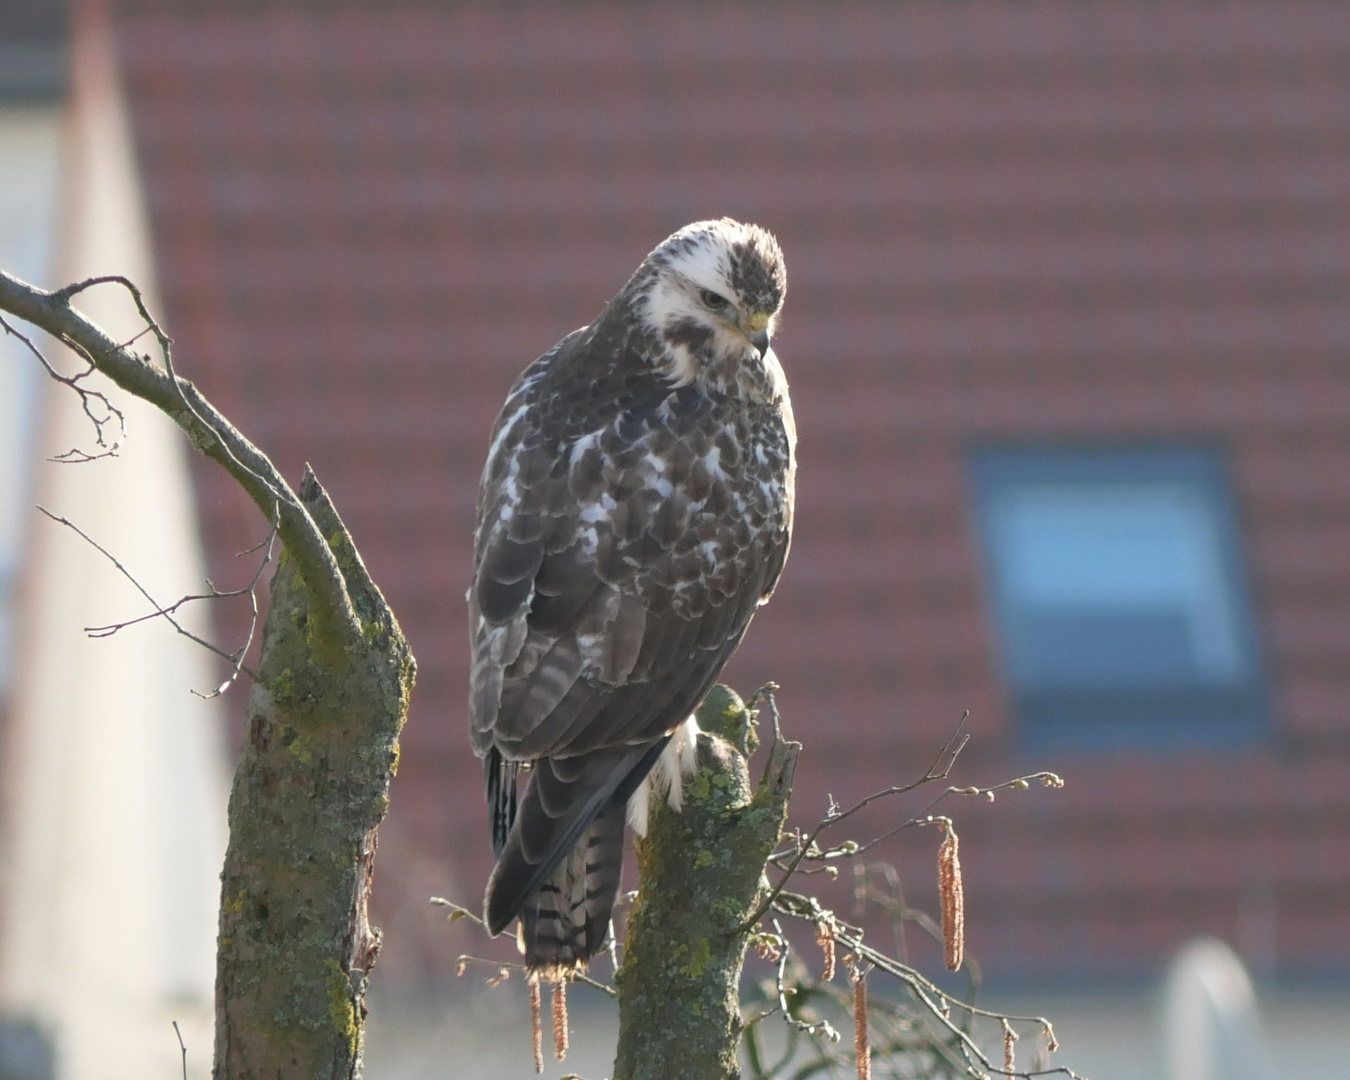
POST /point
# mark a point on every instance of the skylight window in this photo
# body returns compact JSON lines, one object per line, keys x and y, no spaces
{"x":1121,"y":612}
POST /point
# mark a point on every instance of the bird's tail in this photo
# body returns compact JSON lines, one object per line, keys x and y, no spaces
{"x":565,"y":922}
{"x":560,"y":867}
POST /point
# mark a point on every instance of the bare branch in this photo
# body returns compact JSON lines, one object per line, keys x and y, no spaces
{"x":166,"y":350}
{"x":926,"y":815}
{"x":805,"y":847}
{"x":457,"y":911}
{"x":100,"y":411}
{"x":504,"y":969}
{"x":325,"y":735}
{"x":936,"y":1002}
{"x":265,"y":545}
{"x":167,"y":613}
{"x":182,"y":1046}
{"x":928,"y":1031}
{"x":334,"y":625}
{"x":949,"y":751}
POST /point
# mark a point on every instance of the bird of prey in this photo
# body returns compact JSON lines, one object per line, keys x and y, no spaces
{"x":635,"y":510}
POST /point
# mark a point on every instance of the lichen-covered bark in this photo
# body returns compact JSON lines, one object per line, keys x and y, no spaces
{"x":702,"y":873}
{"x":310,"y":789}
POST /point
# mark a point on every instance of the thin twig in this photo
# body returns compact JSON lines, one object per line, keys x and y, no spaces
{"x":457,"y":911}
{"x":235,"y":659}
{"x":926,"y":815}
{"x":465,"y":959}
{"x":763,"y":694}
{"x":937,"y":1002}
{"x":70,"y":456}
{"x":820,"y":1027}
{"x":166,"y":350}
{"x":110,"y":412}
{"x":949,"y":751}
{"x":182,"y":1046}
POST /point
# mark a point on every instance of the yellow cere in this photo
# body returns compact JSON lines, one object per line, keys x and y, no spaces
{"x":758,"y":321}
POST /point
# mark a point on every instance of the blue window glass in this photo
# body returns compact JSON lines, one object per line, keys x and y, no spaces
{"x":1118,"y":596}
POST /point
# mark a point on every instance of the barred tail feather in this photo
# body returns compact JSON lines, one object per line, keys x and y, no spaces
{"x":566,"y":921}
{"x":559,"y":867}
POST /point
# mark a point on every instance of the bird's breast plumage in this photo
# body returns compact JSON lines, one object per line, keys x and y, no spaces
{"x":663,"y":489}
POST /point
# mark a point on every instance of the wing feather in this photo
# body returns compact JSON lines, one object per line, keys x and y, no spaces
{"x":506,"y":582}
{"x":534,"y":686}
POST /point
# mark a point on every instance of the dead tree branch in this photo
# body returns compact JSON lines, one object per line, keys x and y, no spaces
{"x":335,"y":626}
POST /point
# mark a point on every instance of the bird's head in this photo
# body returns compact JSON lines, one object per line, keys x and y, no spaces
{"x":711,"y":294}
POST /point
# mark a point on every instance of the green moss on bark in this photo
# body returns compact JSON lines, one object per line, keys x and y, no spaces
{"x":702,"y":872}
{"x":310,"y":790}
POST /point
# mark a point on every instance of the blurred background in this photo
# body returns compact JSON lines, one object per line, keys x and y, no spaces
{"x":1068,"y":334}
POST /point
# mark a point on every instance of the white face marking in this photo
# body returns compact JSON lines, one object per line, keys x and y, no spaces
{"x":708,"y":266}
{"x":675,"y":297}
{"x":673,"y":300}
{"x":667,"y":304}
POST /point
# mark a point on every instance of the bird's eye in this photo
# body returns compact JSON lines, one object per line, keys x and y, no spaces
{"x":716,"y":301}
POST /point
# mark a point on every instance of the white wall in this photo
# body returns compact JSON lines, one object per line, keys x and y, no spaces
{"x":113,"y":773}
{"x":30,"y":155}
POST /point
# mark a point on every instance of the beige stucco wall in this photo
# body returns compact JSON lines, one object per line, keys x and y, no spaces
{"x":113,"y":774}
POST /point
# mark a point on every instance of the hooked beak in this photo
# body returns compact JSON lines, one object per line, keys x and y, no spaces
{"x":760,"y":341}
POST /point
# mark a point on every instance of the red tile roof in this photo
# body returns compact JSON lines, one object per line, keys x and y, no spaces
{"x":1043,"y":220}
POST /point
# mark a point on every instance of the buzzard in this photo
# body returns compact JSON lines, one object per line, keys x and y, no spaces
{"x":635,"y":510}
